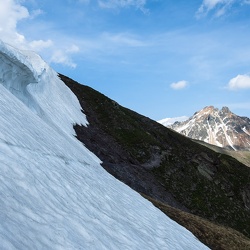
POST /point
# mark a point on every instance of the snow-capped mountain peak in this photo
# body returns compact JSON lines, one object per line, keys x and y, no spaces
{"x":218,"y":127}
{"x":53,"y":192}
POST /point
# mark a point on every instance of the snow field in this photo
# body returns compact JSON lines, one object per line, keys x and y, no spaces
{"x":53,"y":192}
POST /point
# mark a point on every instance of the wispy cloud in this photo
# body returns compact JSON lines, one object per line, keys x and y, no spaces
{"x":239,"y":82}
{"x":35,"y":13}
{"x":179,"y":85}
{"x":108,"y":45}
{"x":117,"y":4}
{"x":219,"y":6}
{"x":122,"y":39}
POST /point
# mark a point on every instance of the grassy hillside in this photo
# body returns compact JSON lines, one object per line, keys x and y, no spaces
{"x":214,"y":236}
{"x":241,"y":156}
{"x":163,"y":164}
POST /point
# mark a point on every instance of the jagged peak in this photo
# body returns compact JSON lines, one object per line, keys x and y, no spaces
{"x":225,"y":110}
{"x":219,"y":127}
{"x":205,"y":110}
{"x":212,"y":111}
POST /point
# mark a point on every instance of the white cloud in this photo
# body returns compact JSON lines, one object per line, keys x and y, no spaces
{"x":239,"y":82}
{"x":11,"y":12}
{"x":63,"y":56}
{"x":38,"y":45}
{"x":73,"y":49}
{"x":179,"y":85}
{"x":114,"y":4}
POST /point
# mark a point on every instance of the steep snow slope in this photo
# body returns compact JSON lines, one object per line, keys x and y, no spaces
{"x":33,"y":82}
{"x":53,"y":192}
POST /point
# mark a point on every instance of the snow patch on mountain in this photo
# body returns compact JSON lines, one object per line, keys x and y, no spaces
{"x":245,"y":130}
{"x":170,"y":121}
{"x":53,"y":192}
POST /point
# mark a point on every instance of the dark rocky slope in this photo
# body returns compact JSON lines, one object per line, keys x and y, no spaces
{"x":163,"y":164}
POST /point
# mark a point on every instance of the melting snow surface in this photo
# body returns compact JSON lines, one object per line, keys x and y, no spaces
{"x":53,"y":192}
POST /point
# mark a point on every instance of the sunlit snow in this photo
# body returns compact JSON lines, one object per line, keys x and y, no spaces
{"x":53,"y":192}
{"x":169,"y":121}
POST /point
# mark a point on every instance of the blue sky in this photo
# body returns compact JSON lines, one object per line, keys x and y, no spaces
{"x":161,"y":58}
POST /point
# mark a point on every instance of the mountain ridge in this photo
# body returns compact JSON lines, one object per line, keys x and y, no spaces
{"x":218,"y":127}
{"x":209,"y":184}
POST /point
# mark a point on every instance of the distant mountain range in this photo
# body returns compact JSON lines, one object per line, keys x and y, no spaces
{"x":217,"y":127}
